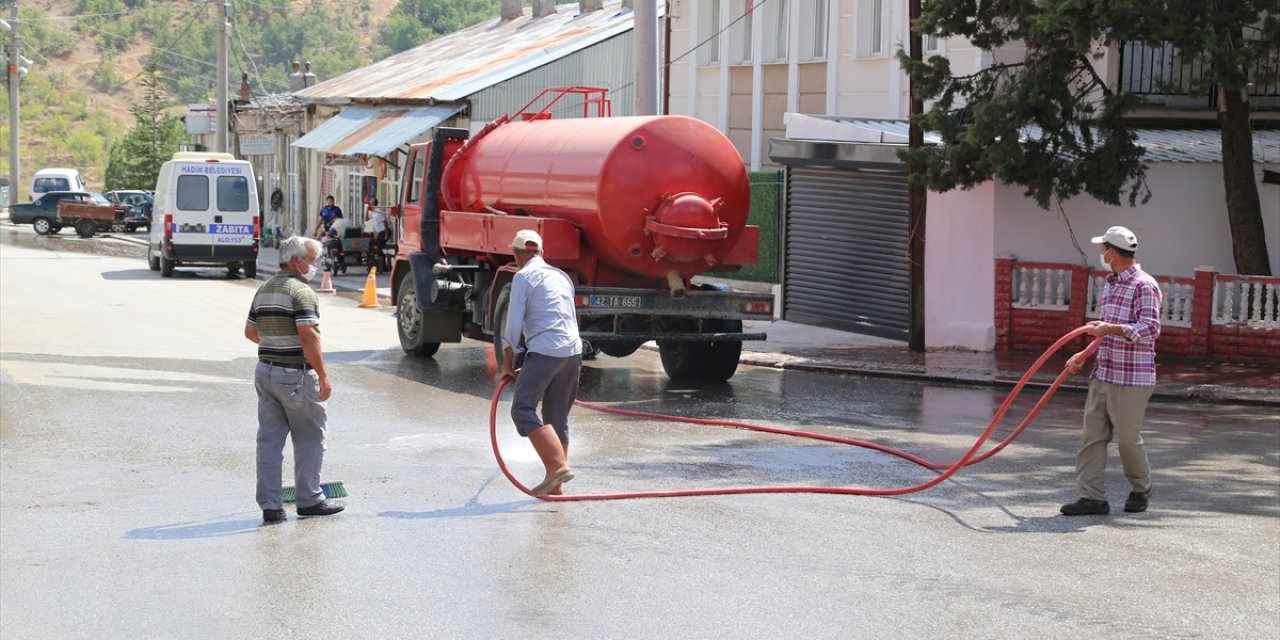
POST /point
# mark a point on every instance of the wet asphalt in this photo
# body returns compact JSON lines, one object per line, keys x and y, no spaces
{"x":126,"y":481}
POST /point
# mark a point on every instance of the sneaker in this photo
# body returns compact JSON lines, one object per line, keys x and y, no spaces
{"x":274,"y":515}
{"x":1137,"y":502}
{"x":322,"y":508}
{"x":1081,"y":507}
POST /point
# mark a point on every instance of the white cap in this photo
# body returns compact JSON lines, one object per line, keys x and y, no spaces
{"x":526,"y":237}
{"x":1120,"y":238}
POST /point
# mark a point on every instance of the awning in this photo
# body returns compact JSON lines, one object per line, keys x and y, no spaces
{"x":374,"y":131}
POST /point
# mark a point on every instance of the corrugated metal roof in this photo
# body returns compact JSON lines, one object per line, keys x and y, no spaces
{"x":453,"y":67}
{"x":359,"y":129}
{"x":1161,"y":145}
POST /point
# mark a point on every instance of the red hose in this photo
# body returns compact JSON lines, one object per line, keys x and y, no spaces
{"x":969,"y":458}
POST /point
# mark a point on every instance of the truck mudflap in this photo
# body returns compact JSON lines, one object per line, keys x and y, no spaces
{"x":655,"y":303}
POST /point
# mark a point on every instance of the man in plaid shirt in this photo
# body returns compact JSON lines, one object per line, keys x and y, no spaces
{"x":1123,"y":378}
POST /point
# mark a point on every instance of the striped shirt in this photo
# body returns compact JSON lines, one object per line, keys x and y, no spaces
{"x":1130,"y":299}
{"x":282,"y":304}
{"x":542,"y":311}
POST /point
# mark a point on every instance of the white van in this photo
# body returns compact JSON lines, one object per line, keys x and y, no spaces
{"x":205,"y":214}
{"x":47,"y":180}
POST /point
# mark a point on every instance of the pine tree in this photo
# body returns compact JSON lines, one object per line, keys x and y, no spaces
{"x":1050,"y":123}
{"x":135,"y":159}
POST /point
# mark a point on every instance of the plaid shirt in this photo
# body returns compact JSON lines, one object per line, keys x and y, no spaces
{"x":1132,"y":300}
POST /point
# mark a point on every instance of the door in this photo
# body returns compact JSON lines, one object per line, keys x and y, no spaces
{"x":845,"y":256}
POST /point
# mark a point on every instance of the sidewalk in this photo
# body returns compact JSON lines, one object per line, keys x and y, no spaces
{"x":808,"y":348}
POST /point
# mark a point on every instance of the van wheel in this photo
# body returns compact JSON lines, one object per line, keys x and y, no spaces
{"x":153,"y":262}
{"x":86,"y":228}
{"x":166,"y":267}
{"x":42,"y":226}
{"x":251,"y":270}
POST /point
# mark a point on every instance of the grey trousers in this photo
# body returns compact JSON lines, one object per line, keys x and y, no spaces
{"x":288,"y":407}
{"x":1112,"y":411}
{"x":553,"y":382}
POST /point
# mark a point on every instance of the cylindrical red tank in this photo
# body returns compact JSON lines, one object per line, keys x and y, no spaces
{"x":651,"y":194}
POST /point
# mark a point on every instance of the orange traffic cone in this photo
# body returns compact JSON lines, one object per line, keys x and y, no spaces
{"x":326,"y":284}
{"x":370,"y":299}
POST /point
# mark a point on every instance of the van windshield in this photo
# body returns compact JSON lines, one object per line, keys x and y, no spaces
{"x":233,"y":193}
{"x":193,"y":193}
{"x":42,"y":185}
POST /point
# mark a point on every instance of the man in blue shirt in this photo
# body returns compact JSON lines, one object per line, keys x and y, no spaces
{"x":328,"y":213}
{"x":541,"y":310}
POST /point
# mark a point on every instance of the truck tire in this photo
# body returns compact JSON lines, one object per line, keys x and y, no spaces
{"x":409,"y":322}
{"x":681,"y":360}
{"x":721,"y":358}
{"x":618,"y":349}
{"x":86,"y":228}
{"x":153,"y":262}
{"x":42,"y":226}
{"x":705,"y":361}
{"x":166,"y":267}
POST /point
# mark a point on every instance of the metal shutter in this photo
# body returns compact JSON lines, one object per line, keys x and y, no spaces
{"x":845,"y":264}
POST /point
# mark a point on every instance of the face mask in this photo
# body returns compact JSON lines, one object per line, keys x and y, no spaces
{"x":1102,"y":258}
{"x":312,"y":272}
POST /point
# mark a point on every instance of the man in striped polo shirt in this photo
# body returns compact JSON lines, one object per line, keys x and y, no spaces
{"x":291,"y":380}
{"x":1123,"y":378}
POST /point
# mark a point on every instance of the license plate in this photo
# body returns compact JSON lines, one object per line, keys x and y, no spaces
{"x":625,"y":302}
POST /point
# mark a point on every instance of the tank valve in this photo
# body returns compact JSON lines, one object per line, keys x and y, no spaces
{"x":677,"y":285}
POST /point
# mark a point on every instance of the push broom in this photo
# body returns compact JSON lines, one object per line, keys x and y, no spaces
{"x":330,"y":489}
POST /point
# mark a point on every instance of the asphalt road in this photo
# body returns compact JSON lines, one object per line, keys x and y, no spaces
{"x":127,"y":420}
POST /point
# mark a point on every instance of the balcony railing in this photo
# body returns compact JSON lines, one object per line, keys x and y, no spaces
{"x":1162,"y":75}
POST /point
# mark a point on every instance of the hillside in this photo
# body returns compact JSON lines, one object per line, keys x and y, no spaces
{"x":89,"y":55}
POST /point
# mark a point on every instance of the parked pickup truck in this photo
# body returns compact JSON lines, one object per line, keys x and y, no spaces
{"x":88,"y":218}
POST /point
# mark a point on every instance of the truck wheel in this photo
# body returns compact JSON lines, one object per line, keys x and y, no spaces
{"x":618,"y":349}
{"x":166,"y":267}
{"x":721,"y":358}
{"x":42,"y":226}
{"x":153,"y":262}
{"x":86,"y":228}
{"x":682,"y":360}
{"x":409,"y":322}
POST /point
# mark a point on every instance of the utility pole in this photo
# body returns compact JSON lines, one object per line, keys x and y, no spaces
{"x":224,"y":118}
{"x":915,"y":242}
{"x":645,"y":33}
{"x":14,"y":79}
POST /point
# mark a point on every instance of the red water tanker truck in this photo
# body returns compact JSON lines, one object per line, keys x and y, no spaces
{"x":630,"y":207}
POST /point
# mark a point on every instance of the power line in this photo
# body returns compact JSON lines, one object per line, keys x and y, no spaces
{"x":717,"y":34}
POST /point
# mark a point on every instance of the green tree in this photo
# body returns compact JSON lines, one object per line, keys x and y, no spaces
{"x":1050,"y":123}
{"x":135,"y":160}
{"x":415,"y":22}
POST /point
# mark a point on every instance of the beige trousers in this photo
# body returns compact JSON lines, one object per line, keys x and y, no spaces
{"x":1112,"y":411}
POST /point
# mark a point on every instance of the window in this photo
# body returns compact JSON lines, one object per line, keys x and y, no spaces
{"x":193,"y":193}
{"x":748,"y":12}
{"x":233,"y":193}
{"x":415,"y":186}
{"x":932,"y":44}
{"x":782,"y":30}
{"x":813,"y":30}
{"x":870,"y":29}
{"x":820,"y":12}
{"x":712,"y":47}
